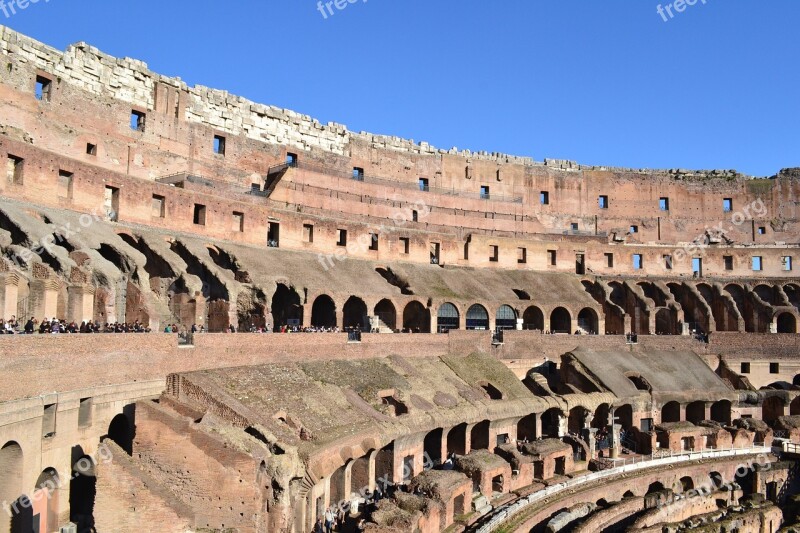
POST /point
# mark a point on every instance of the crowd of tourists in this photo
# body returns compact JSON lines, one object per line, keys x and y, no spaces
{"x":13,"y":326}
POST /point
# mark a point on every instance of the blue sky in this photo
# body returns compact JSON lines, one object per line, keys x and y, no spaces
{"x":599,"y":82}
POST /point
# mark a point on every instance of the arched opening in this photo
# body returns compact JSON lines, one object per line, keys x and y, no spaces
{"x":250,"y":309}
{"x":16,"y":515}
{"x":671,"y":412}
{"x":686,"y":484}
{"x":551,"y":422}
{"x":560,"y":321}
{"x":526,"y":428}
{"x":628,"y":494}
{"x":766,"y":293}
{"x":45,"y":500}
{"x":655,"y":487}
{"x":416,"y":318}
{"x":575,"y":420}
{"x":479,"y":436}
{"x":533,"y":318}
{"x":338,"y":486}
{"x":457,"y":440}
{"x":506,"y":318}
{"x":716,"y":479}
{"x":787,"y":323}
{"x":600,"y":418}
{"x":286,"y":308}
{"x":587,"y":321}
{"x":122,"y":429}
{"x":432,"y":445}
{"x":359,"y":474}
{"x":387,"y":314}
{"x":477,"y":317}
{"x":82,"y":492}
{"x":772,"y":409}
{"x":355,"y":313}
{"x":794,"y":407}
{"x":696,"y":412}
{"x":624,"y":415}
{"x":666,"y":322}
{"x":447,"y":318}
{"x":384,"y":463}
{"x":721,"y":412}
{"x":323,"y":312}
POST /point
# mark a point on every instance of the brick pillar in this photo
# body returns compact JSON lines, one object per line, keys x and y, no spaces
{"x":371,"y":470}
{"x":538,"y":418}
{"x":348,"y":481}
{"x":80,"y":303}
{"x":468,"y":439}
{"x":589,"y":435}
{"x":9,"y":292}
{"x":615,"y":443}
{"x":340,"y":319}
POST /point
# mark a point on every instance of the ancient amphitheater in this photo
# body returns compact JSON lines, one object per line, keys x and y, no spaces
{"x":486,"y":342}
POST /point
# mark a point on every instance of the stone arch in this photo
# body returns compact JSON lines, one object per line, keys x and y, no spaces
{"x":766,"y":293}
{"x":457,"y":439}
{"x":655,"y":487}
{"x":354,"y":313}
{"x":737,"y":293}
{"x":387,"y":313}
{"x":721,"y":412}
{"x":794,"y":407}
{"x":479,"y":436}
{"x":338,"y":485}
{"x":287,"y":308}
{"x":696,"y":412}
{"x":666,"y":322}
{"x":575,"y":419}
{"x":506,"y":318}
{"x":250,"y":309}
{"x":17,"y":516}
{"x":787,"y":323}
{"x":600,"y":417}
{"x":416,"y":318}
{"x":551,"y":421}
{"x":560,"y":321}
{"x":323,"y":312}
{"x":359,"y":473}
{"x":477,"y":317}
{"x":624,"y":415}
{"x":122,"y":429}
{"x":447,"y":318}
{"x":526,"y":428}
{"x":717,"y":480}
{"x":432,"y":445}
{"x":772,"y":409}
{"x":587,"y":321}
{"x":671,"y":412}
{"x":48,"y":485}
{"x":82,"y":491}
{"x":686,"y":483}
{"x":533,"y":318}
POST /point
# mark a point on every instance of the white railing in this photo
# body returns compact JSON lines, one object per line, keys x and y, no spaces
{"x":504,"y":513}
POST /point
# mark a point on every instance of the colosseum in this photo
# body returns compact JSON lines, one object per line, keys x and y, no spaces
{"x":230,"y":317}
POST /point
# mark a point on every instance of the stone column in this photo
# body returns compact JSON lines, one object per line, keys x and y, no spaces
{"x":538,"y":429}
{"x":9,"y":293}
{"x":563,"y":425}
{"x":348,"y":481}
{"x":589,"y":435}
{"x":80,"y":303}
{"x":371,"y":469}
{"x":615,"y":440}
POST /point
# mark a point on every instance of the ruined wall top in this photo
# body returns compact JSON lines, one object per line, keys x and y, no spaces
{"x":130,"y":80}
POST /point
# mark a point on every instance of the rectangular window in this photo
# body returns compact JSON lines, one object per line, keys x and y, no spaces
{"x":580,"y":264}
{"x":15,"y":166}
{"x":634,"y":229}
{"x":274,"y":235}
{"x":728,"y":260}
{"x":668,"y":262}
{"x":44,"y":87}
{"x":341,"y":237}
{"x":65,"y":184}
{"x":158,"y":206}
{"x":434,"y":252}
{"x":373,"y":242}
{"x":85,"y":413}
{"x":727,"y":205}
{"x":49,"y":421}
{"x":423,"y":184}
{"x":744,"y":368}
{"x":573,"y":226}
{"x":308,"y":232}
{"x":786,"y":262}
{"x":522,"y":256}
{"x":238,"y":222}
{"x":762,"y":230}
{"x":358,"y":173}
{"x":637,"y":261}
{"x":774,"y":368}
{"x":484,"y":192}
{"x":405,"y":243}
{"x":756,"y":263}
{"x":219,"y":145}
{"x":494,"y":253}
{"x":551,"y":257}
{"x":544,"y":198}
{"x":663,"y":204}
{"x":111,"y":203}
{"x":602,"y":202}
{"x":137,"y":120}
{"x":291,"y":159}
{"x":91,"y":149}
{"x":697,"y":266}
{"x":199,"y":216}
{"x":609,"y":260}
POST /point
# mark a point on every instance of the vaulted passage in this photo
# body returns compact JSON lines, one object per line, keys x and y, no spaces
{"x":287,"y":309}
{"x":533,"y":318}
{"x":416,"y":318}
{"x":355,"y":313}
{"x":323,"y":312}
{"x":387,"y":313}
{"x":155,"y":265}
{"x":560,"y":321}
{"x":787,"y":323}
{"x":14,"y":518}
{"x":213,"y":288}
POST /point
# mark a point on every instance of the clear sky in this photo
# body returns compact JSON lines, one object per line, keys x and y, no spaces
{"x":600,"y":82}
